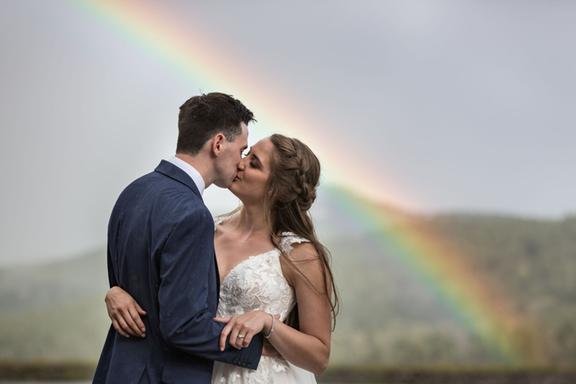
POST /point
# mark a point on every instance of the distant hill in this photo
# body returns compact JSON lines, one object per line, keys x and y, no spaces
{"x":56,"y":310}
{"x":388,"y":317}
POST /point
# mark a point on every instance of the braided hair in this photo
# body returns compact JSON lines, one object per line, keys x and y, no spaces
{"x":294,"y":177}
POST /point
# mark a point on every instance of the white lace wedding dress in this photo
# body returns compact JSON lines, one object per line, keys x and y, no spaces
{"x":258,"y":283}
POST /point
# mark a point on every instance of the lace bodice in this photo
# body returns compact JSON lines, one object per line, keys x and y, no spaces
{"x":258,"y":283}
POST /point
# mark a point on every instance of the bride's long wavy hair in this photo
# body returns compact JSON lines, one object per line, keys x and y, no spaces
{"x":291,"y":190}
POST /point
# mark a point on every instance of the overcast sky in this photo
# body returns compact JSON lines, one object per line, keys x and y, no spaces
{"x":462,"y":105}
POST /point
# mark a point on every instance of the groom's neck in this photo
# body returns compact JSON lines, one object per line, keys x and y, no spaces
{"x":202,"y":164}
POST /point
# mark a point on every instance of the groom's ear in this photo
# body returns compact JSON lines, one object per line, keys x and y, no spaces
{"x":218,"y":144}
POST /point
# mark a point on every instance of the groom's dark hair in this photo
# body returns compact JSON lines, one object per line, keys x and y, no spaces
{"x":203,"y":116}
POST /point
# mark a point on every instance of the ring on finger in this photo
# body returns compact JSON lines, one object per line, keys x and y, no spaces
{"x":241,"y":336}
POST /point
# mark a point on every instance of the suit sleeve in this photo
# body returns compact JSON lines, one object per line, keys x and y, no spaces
{"x":186,"y":322}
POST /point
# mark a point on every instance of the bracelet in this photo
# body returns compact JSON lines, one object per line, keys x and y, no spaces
{"x":267,"y":336}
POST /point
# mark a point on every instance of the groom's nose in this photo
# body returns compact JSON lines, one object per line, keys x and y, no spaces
{"x":241,"y":165}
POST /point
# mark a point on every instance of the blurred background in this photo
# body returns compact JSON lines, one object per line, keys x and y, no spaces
{"x":445,"y":128}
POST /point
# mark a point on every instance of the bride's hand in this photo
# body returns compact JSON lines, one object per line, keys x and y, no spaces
{"x":242,"y":328}
{"x":125,"y":313}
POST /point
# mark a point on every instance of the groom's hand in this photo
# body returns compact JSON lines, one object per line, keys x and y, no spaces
{"x":242,"y":328}
{"x":125,"y":313}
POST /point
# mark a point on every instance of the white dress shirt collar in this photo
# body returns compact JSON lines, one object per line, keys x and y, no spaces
{"x":190,"y":171}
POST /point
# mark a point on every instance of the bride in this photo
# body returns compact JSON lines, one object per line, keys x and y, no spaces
{"x":275,"y":276}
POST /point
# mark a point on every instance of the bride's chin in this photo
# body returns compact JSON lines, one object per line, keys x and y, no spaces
{"x":232,"y":188}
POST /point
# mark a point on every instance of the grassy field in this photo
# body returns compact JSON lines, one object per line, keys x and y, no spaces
{"x":80,"y":372}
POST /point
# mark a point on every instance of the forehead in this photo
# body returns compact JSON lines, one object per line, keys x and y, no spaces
{"x":263,"y":149}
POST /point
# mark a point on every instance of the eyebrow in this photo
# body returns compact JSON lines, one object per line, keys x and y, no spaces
{"x":256,"y":157}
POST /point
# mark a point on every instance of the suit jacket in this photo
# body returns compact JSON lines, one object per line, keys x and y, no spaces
{"x":161,"y":251}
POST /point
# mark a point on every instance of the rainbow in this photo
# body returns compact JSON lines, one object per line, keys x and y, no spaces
{"x":155,"y":30}
{"x":473,"y":300}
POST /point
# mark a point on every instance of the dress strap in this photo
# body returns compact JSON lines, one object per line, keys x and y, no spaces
{"x":288,"y":240}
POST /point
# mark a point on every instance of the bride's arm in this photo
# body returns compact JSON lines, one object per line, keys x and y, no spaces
{"x":308,"y":347}
{"x":125,"y":313}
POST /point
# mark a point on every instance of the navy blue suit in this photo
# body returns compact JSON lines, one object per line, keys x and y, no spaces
{"x":161,"y":251}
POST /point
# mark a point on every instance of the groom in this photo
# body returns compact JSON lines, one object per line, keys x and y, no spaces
{"x":161,"y":251}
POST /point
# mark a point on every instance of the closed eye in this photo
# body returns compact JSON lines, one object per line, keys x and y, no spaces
{"x":254,"y":164}
{"x":255,"y":161}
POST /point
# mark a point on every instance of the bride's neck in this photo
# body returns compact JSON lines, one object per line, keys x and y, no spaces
{"x":251,"y":219}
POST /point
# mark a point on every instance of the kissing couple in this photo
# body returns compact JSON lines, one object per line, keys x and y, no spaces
{"x":246,"y":297}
